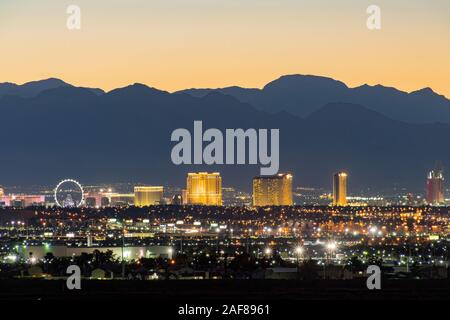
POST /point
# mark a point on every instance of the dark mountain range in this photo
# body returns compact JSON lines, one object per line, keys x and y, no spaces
{"x":33,"y":88}
{"x":303,"y":94}
{"x":124,"y":135}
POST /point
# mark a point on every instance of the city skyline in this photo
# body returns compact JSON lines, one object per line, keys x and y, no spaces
{"x":204,"y":188}
{"x":224,"y":158}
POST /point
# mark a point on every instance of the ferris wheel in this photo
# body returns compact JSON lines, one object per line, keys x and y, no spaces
{"x":69,"y":193}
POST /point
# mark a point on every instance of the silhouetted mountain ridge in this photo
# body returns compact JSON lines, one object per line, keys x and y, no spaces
{"x":34,"y":88}
{"x":124,"y":135}
{"x":297,"y":94}
{"x":303,"y":94}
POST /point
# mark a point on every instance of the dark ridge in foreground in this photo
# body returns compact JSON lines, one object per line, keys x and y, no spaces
{"x":223,"y":290}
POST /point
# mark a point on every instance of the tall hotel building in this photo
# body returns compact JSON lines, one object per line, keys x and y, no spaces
{"x":435,"y":187}
{"x":272,"y":190}
{"x":340,"y":189}
{"x":147,"y":196}
{"x":204,"y":188}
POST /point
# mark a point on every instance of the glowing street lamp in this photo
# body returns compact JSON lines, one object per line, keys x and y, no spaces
{"x":299,"y":252}
{"x":331,"y":246}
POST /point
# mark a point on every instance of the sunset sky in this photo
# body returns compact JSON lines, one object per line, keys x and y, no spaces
{"x":177,"y":44}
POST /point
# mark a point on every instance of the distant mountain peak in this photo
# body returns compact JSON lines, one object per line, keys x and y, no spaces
{"x":36,"y":87}
{"x":301,"y":79}
{"x":426,"y":90}
{"x":64,"y":93}
{"x":379,"y":88}
{"x":137,"y":88}
{"x":48,"y":80}
{"x":305,"y":76}
{"x":136,"y":92}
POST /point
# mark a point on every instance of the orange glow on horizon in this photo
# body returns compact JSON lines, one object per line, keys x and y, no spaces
{"x":174,"y":44}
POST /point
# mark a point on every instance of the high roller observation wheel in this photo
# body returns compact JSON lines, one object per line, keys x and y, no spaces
{"x":65,"y":181}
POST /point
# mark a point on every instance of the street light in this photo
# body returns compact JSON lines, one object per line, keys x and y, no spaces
{"x":123,"y":245}
{"x":218,"y":240}
{"x":331,"y":246}
{"x":299,"y":252}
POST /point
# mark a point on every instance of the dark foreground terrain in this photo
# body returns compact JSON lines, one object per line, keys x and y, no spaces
{"x":223,"y":290}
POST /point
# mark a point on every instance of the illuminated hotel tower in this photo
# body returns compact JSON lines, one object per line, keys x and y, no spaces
{"x":204,"y":188}
{"x":340,"y":189}
{"x":435,"y":187}
{"x":272,"y":190}
{"x":147,"y":196}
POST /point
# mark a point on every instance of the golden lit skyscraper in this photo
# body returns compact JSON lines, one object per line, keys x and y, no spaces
{"x":204,"y":188}
{"x":147,"y":196}
{"x":272,"y":190}
{"x":340,"y":189}
{"x":2,"y":192}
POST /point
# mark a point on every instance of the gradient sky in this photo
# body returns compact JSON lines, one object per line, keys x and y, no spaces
{"x":176,"y":44}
